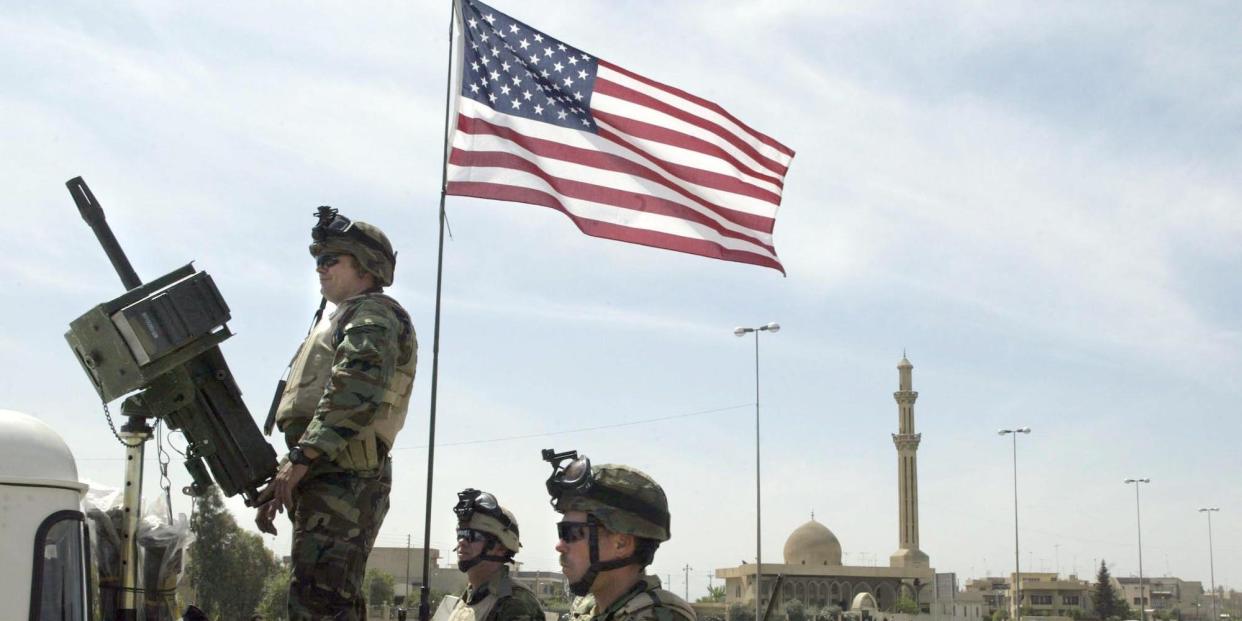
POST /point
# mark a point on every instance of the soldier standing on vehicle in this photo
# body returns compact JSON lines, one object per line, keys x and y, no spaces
{"x":487,"y":540}
{"x":345,"y":400}
{"x":614,"y":519}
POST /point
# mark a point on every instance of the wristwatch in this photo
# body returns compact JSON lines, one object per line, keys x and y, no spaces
{"x":298,"y":457}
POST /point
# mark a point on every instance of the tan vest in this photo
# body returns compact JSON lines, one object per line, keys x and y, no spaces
{"x":308,"y":377}
{"x":498,"y":589}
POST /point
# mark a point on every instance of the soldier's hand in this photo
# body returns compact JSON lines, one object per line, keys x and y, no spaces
{"x":265,"y":516}
{"x":287,"y":479}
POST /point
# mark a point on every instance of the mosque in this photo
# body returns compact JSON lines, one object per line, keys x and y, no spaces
{"x":813,"y":573}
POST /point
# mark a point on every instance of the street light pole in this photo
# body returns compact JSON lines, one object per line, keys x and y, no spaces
{"x":1138,"y":511}
{"x":739,"y":331}
{"x":1017,"y":571}
{"x":1211,"y":559}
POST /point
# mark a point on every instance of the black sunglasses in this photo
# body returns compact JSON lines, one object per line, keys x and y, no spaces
{"x":470,"y":535}
{"x":569,"y":532}
{"x":327,"y":260}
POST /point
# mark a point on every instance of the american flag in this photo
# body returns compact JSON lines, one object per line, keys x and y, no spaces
{"x":624,"y":156}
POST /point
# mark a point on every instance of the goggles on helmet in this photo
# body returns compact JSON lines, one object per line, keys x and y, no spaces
{"x":471,"y":500}
{"x":576,"y":479}
{"x":330,"y":223}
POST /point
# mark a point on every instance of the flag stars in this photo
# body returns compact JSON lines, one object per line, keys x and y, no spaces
{"x":523,"y":44}
{"x":573,"y":60}
{"x":474,"y":88}
{"x":582,"y":74}
{"x":538,"y":38}
{"x":504,"y":90}
{"x":495,"y":75}
{"x":561,"y":47}
{"x":505,"y":66}
{"x":517,"y":105}
{"x":492,"y":97}
{"x":491,"y":19}
{"x":561,"y":114}
{"x":534,"y":59}
{"x":495,"y":52}
{"x":513,"y":28}
{"x":474,"y":66}
{"x":578,"y":95}
{"x":517,"y":81}
{"x":484,"y":60}
{"x":586,"y":123}
{"x":568,"y":81}
{"x":474,"y":23}
{"x":547,"y":51}
{"x":558,"y":67}
{"x":526,"y":95}
{"x":539,"y":109}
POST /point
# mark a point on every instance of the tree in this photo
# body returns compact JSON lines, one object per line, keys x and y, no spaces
{"x":1000,"y":614}
{"x":795,"y":610}
{"x":715,"y":594}
{"x":228,"y":567}
{"x":1109,"y":604}
{"x":742,"y":612}
{"x":905,"y":605}
{"x":274,"y":605}
{"x":378,"y":585}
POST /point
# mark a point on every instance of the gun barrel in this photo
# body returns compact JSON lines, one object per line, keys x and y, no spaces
{"x":93,"y":214}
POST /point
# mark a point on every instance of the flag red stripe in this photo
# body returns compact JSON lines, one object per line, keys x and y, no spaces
{"x":608,"y":230}
{"x":610,"y":162}
{"x":572,"y":188}
{"x":764,"y":138}
{"x":664,"y":135}
{"x":613,"y":89}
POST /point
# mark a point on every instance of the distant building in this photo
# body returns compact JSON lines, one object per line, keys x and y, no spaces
{"x":812,"y":571}
{"x":1043,"y":594}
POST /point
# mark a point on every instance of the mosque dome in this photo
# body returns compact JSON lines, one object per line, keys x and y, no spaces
{"x":813,"y":544}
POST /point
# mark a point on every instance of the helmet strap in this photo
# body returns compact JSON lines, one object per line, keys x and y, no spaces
{"x":488,"y":542}
{"x":583,"y":585}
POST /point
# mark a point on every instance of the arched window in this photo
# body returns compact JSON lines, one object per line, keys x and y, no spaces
{"x":60,"y":588}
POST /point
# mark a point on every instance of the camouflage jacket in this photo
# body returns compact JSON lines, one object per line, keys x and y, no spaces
{"x":500,"y":599}
{"x":645,"y":602}
{"x":371,"y":342}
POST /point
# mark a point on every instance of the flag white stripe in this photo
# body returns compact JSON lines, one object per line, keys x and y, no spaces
{"x":606,"y":73}
{"x":638,"y":112}
{"x":605,"y":213}
{"x":586,"y":140}
{"x":607,"y":178}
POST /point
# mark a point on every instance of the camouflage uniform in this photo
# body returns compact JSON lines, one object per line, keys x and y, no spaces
{"x":347,"y":395}
{"x":500,"y":599}
{"x":645,"y":602}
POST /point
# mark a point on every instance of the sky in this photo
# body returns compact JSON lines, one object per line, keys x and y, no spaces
{"x":1039,"y":203}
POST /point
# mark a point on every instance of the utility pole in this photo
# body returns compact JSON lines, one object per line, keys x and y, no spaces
{"x":687,"y":569}
{"x":406,"y":603}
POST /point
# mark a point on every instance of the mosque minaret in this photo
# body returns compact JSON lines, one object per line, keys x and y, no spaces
{"x":907,"y":442}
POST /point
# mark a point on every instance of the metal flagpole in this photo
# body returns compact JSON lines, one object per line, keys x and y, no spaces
{"x":424,"y":604}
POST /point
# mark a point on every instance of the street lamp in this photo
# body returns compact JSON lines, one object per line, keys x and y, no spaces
{"x":1211,"y":560}
{"x":739,"y":332}
{"x":1017,"y":571}
{"x":1138,"y":510}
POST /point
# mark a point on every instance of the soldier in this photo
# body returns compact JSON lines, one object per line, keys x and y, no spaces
{"x":615,"y":517}
{"x":344,"y":402}
{"x":487,"y":539}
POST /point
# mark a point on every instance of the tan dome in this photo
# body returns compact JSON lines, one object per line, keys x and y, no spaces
{"x":813,"y":544}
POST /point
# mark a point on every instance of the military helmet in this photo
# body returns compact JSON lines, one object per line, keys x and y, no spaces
{"x":365,"y":242}
{"x":623,"y":499}
{"x":480,"y":511}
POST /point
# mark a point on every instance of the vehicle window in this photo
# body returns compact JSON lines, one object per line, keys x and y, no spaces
{"x":59,"y":588}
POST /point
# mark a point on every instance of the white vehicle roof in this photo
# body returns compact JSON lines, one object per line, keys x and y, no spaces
{"x":32,"y":453}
